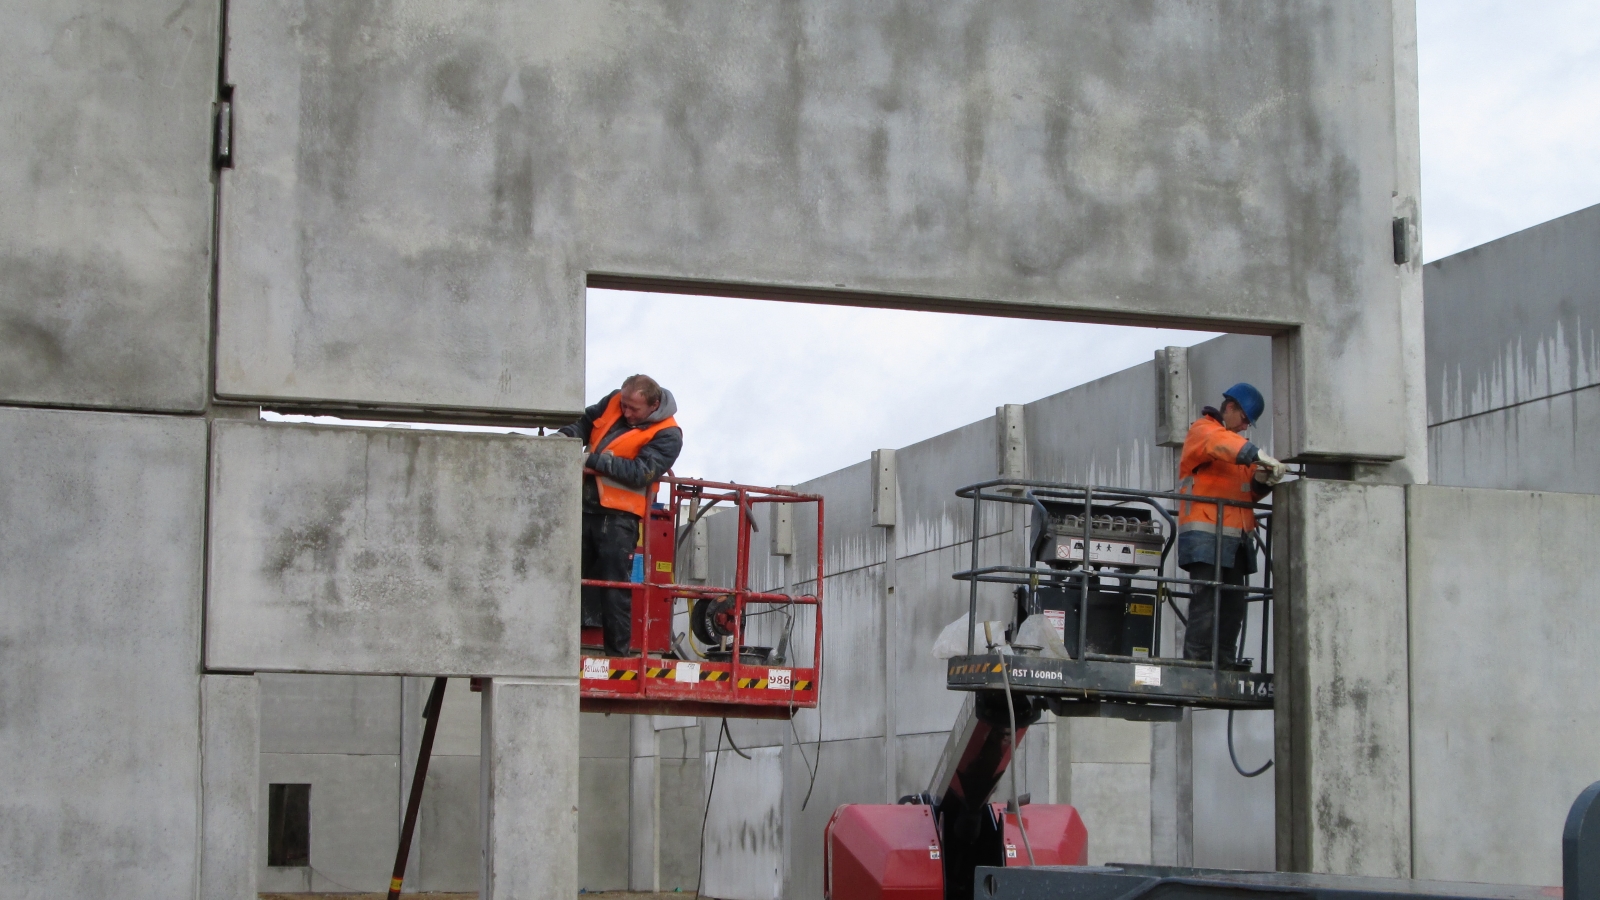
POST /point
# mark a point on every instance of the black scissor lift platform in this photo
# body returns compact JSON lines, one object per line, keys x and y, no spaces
{"x":1115,"y":547}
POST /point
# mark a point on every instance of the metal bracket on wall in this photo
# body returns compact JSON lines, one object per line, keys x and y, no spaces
{"x":222,"y":150}
{"x":1402,"y":240}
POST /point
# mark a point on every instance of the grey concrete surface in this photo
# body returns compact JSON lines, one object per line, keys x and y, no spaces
{"x":1343,"y":783}
{"x":1514,"y":320}
{"x":530,"y":790}
{"x":391,"y":230}
{"x":449,"y":856}
{"x":1233,"y":815}
{"x":682,"y":792}
{"x":744,"y":841}
{"x":1548,"y":444}
{"x":105,"y":235}
{"x":867,"y":156}
{"x":847,"y":772}
{"x":1503,"y":707}
{"x":100,"y":596}
{"x":329,"y":714}
{"x":602,"y":831}
{"x":230,"y":785}
{"x":355,"y":821}
{"x":377,"y":551}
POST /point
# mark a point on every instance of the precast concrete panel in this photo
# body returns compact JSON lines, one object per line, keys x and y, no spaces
{"x":230,"y":785}
{"x":530,"y":790}
{"x":851,"y":541}
{"x":852,"y":699}
{"x":105,"y":235}
{"x":1541,"y":445}
{"x":846,"y":772}
{"x":916,"y":757}
{"x":603,"y":822}
{"x":1342,"y":705}
{"x":744,"y":839}
{"x":447,"y":846}
{"x":1514,"y":320}
{"x":355,"y":821}
{"x":390,"y":230}
{"x":930,"y":472}
{"x":1114,"y":801}
{"x":682,"y":795}
{"x":1233,"y":815}
{"x":361,"y":550}
{"x":100,"y":593}
{"x":930,"y":600}
{"x":1102,"y":432}
{"x":1502,"y":677}
{"x":604,"y":736}
{"x":418,"y":197}
{"x":351,"y":714}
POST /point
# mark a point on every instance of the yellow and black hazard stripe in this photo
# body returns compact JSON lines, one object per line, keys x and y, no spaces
{"x":752,"y":682}
{"x":623,"y":674}
{"x":714,"y":676}
{"x":657,"y":672}
{"x":802,"y":685}
{"x":975,"y":668}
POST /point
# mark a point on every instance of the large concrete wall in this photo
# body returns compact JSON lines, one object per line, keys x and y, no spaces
{"x":100,"y":734}
{"x":1514,"y":360}
{"x":1502,"y":626}
{"x":105,"y":235}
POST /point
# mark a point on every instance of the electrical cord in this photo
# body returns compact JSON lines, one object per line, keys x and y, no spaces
{"x":1010,"y":711}
{"x":715,"y":760}
{"x":730,"y":740}
{"x":1233,"y":756}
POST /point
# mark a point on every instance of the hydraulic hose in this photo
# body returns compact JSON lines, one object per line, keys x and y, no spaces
{"x":1011,"y":713}
{"x":1233,"y":756}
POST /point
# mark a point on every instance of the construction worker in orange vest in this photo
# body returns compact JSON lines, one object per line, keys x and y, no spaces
{"x":632,"y":439}
{"x":1218,"y":461}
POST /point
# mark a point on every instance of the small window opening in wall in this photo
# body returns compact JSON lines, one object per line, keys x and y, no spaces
{"x":289,"y":825}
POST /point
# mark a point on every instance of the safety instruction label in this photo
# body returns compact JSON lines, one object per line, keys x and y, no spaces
{"x":663,"y":566}
{"x":1149,"y":676}
{"x":686,"y":672}
{"x":779,"y":679}
{"x":1058,"y":620}
{"x":596,"y":669}
{"x":933,"y":850}
{"x":1112,"y":552}
{"x":1011,"y":851}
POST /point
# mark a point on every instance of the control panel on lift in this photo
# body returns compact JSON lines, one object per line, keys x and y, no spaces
{"x":1102,"y":573}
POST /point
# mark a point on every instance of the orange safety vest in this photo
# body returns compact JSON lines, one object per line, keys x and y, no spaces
{"x":615,"y":494}
{"x":1207,"y":469}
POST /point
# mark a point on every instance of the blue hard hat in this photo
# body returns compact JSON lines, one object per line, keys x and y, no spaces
{"x":1249,"y":399}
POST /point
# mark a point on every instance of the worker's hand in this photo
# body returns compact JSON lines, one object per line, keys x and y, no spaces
{"x":1269,"y":471}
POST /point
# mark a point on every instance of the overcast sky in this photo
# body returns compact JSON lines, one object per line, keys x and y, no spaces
{"x":1510,"y":97}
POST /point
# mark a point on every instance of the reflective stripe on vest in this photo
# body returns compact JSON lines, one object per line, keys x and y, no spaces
{"x":614,"y":494}
{"x":1212,"y":477}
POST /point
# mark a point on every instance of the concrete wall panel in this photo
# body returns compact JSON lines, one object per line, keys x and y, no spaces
{"x":852,"y":675}
{"x":105,"y":235}
{"x":447,"y":844}
{"x":1102,"y":432}
{"x":100,"y":579}
{"x":1342,"y":696}
{"x":349,"y":714}
{"x":355,"y":821}
{"x":683,"y":797}
{"x":744,"y":832}
{"x":392,"y":177}
{"x":1515,"y":319}
{"x":1114,"y":801}
{"x":230,"y":785}
{"x":1542,"y":445}
{"x":363,"y":550}
{"x":1502,"y":675}
{"x":930,"y":472}
{"x":530,"y":783}
{"x":603,"y":823}
{"x":1233,"y":815}
{"x":1221,"y":363}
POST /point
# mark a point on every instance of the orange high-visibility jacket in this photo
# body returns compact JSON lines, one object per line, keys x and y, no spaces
{"x":614,"y":494}
{"x":1216,"y":463}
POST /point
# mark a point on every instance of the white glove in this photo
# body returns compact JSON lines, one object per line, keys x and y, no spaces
{"x":1269,"y":471}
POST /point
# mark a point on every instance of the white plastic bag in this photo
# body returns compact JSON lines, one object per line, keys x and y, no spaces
{"x":1036,"y":631}
{"x":952,"y":640}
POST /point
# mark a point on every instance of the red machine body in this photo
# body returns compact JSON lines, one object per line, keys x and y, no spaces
{"x":893,"y":852}
{"x":739,"y":684}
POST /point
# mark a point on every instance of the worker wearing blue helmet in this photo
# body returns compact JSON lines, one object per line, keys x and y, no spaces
{"x":1218,"y":461}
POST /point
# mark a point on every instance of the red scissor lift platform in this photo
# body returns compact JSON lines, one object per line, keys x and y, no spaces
{"x":732,"y":679}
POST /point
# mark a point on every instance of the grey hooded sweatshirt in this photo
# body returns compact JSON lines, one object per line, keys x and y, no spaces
{"x":654,"y":458}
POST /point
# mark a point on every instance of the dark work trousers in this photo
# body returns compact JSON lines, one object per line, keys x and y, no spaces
{"x":1197,"y":633}
{"x":608,"y":542}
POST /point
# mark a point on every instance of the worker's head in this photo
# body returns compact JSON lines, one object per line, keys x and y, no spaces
{"x":640,"y":396}
{"x":1242,"y":405}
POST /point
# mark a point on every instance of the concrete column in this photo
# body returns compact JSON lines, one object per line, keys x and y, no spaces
{"x":230,"y":785}
{"x":529,"y":787}
{"x":1343,"y":734}
{"x":644,"y":807}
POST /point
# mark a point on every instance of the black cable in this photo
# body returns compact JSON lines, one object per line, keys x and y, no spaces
{"x":730,"y":740}
{"x":715,"y":760}
{"x":817,"y":762}
{"x":1231,"y":755}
